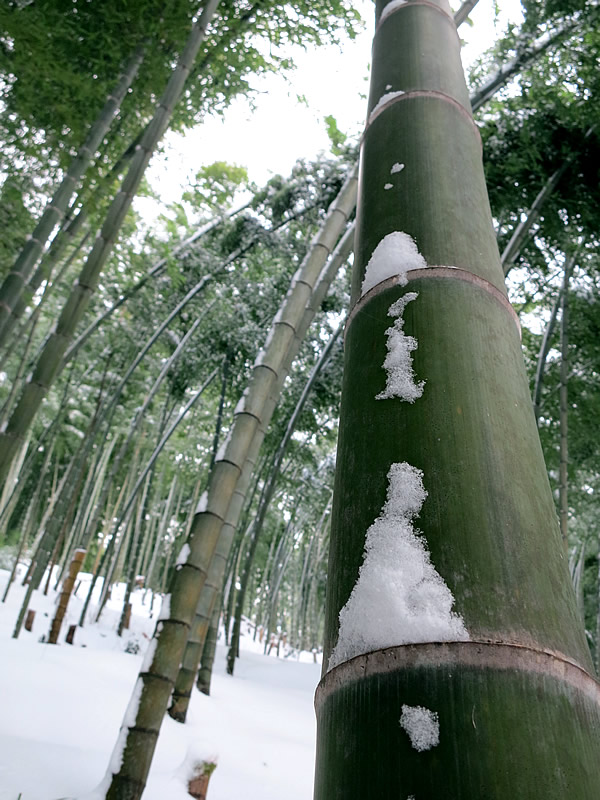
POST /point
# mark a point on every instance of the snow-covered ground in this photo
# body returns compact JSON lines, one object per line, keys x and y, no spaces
{"x":62,"y":707}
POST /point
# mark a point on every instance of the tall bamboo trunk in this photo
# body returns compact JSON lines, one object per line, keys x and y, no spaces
{"x":455,"y":663}
{"x":208,"y":653}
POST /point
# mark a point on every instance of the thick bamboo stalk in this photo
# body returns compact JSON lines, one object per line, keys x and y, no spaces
{"x":67,"y":589}
{"x":213,"y":586}
{"x":13,"y":286}
{"x":51,"y":359}
{"x":208,"y":653}
{"x":456,"y":660}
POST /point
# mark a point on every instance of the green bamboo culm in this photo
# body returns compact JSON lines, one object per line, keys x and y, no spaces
{"x":51,"y":361}
{"x":460,"y":667}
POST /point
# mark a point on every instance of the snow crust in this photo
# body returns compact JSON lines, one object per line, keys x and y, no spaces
{"x":385,"y":98}
{"x":184,"y":554}
{"x":262,"y":353}
{"x":149,"y":654}
{"x":399,"y":597}
{"x":422,"y":727}
{"x":165,"y":609}
{"x":223,"y":448}
{"x":202,"y":503}
{"x":391,"y":7}
{"x":241,"y":405}
{"x":395,"y":254}
{"x":116,"y":758}
{"x":398,"y":362}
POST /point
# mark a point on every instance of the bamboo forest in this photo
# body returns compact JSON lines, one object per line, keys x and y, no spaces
{"x":298,"y":476}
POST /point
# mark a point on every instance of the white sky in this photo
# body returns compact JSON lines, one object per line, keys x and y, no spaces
{"x":268,"y":139}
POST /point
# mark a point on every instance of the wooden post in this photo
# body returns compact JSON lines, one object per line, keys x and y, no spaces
{"x":67,"y":588}
{"x":70,"y":634}
{"x":29,"y":620}
{"x":126,"y":616}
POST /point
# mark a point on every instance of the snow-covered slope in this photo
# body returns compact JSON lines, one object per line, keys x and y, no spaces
{"x":62,"y":707}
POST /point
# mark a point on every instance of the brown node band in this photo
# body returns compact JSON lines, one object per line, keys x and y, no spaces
{"x":383,"y":16}
{"x":429,"y":93}
{"x":435,"y":272}
{"x":480,"y":655}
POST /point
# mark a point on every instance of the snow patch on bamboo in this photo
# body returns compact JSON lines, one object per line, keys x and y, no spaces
{"x":388,"y":186}
{"x":202,"y":503}
{"x":397,"y":167}
{"x":383,"y":100}
{"x":394,"y":256}
{"x":116,"y":759}
{"x":149,"y":654}
{"x":165,"y":609}
{"x":422,"y":727}
{"x":241,"y":405}
{"x":398,"y":362}
{"x":399,"y":597}
{"x":223,"y":448}
{"x":183,"y":556}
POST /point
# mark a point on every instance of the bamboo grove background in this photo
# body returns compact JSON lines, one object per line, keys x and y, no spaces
{"x":126,"y":350}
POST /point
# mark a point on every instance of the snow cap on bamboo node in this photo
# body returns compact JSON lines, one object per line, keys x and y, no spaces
{"x":394,"y":256}
{"x":399,"y":597}
{"x":383,"y":100}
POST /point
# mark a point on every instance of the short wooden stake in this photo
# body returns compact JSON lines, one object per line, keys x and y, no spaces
{"x":29,"y":619}
{"x":70,"y":634}
{"x":65,"y":595}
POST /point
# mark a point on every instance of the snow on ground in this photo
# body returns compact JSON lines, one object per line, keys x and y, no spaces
{"x":62,"y":707}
